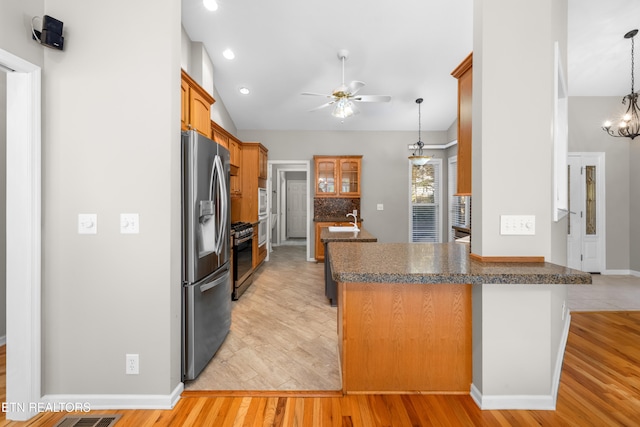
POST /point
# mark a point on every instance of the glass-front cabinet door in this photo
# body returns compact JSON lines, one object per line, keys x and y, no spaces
{"x":326,"y":177}
{"x":350,"y":177}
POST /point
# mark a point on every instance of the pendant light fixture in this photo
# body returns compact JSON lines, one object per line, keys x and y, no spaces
{"x":417,"y":158}
{"x":629,"y":124}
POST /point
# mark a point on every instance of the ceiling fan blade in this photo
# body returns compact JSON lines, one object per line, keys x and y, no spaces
{"x":372,"y":98}
{"x":355,"y":86}
{"x":317,"y":94}
{"x":323,"y":106}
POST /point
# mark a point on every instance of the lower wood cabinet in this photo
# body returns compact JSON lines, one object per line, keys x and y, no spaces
{"x":405,"y":337}
{"x":258,"y":253}
{"x":319,"y":226}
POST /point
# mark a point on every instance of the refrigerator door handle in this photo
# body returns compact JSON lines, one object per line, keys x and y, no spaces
{"x":222,"y":188}
{"x":210,"y":285}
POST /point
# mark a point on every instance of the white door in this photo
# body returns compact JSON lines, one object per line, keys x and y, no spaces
{"x":586,"y":234}
{"x":296,"y":209}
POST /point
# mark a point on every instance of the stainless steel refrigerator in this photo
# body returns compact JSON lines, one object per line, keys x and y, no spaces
{"x":206,"y":278}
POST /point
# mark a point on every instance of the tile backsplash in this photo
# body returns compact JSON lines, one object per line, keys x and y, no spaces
{"x":334,"y":207}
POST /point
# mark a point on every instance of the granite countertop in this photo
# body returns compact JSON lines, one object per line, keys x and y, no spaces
{"x":438,"y":263}
{"x":350,"y":236}
{"x":337,"y":218}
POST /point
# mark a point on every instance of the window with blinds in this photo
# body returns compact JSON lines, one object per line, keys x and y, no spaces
{"x":425,"y":203}
{"x":458,"y":205}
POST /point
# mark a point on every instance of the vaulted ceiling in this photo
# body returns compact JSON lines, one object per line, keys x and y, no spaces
{"x":405,"y":49}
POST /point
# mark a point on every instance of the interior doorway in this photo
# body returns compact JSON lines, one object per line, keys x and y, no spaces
{"x":23,"y":236}
{"x":586,"y":233}
{"x":289,"y":205}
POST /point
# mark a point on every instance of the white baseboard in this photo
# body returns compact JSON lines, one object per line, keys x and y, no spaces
{"x":520,"y":402}
{"x":621,"y":273}
{"x":555,"y":384}
{"x":118,"y":401}
{"x":524,"y":402}
{"x":3,"y":340}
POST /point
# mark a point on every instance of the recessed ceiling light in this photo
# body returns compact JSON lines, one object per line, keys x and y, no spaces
{"x":244,"y":90}
{"x":210,"y":4}
{"x":228,"y":53}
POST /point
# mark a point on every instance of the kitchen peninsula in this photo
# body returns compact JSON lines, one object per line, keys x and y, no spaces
{"x":428,"y":318}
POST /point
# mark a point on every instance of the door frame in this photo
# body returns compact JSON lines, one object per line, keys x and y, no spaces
{"x":599,"y":161}
{"x":24,"y":236}
{"x":290,"y":166}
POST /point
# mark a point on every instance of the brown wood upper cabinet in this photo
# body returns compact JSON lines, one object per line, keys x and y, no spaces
{"x":255,"y":159}
{"x":337,"y":176}
{"x":252,"y":156}
{"x":196,"y":106}
{"x":234,"y":145}
{"x":464,"y":74}
{"x":219,"y":135}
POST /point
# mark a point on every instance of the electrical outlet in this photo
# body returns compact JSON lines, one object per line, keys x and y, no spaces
{"x":132,"y":364}
{"x":87,"y":224}
{"x":380,"y":207}
{"x":129,"y":223}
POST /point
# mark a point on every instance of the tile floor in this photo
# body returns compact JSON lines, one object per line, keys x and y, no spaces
{"x":283,"y":332}
{"x":607,"y":293}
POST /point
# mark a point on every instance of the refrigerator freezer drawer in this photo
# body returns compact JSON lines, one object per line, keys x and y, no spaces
{"x":207,"y":320}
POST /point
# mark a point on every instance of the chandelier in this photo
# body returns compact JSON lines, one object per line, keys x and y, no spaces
{"x":417,"y":158}
{"x":629,"y":124}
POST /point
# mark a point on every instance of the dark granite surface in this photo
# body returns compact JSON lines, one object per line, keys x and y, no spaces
{"x":327,"y":209}
{"x":437,"y":263}
{"x":351,"y":236}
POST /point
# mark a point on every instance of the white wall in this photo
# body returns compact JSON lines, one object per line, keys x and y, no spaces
{"x":3,"y":205}
{"x":111,"y":104}
{"x":511,"y":128}
{"x":634,"y":197}
{"x":15,"y":29}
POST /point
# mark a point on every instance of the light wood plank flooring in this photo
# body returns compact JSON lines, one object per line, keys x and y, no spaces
{"x":283,"y":332}
{"x":599,"y":386}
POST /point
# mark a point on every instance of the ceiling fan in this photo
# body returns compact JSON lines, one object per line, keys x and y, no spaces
{"x":344,"y":97}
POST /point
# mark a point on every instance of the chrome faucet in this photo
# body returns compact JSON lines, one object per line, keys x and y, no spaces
{"x":355,"y":221}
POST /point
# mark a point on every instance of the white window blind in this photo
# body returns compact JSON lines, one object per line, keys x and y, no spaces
{"x":458,"y":205}
{"x":425,"y":211}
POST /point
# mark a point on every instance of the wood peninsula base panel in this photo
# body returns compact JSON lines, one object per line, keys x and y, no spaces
{"x":397,"y":337}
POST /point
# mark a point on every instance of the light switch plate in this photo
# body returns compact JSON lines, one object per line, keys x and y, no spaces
{"x":517,"y":225}
{"x":87,"y":224}
{"x":129,"y":223}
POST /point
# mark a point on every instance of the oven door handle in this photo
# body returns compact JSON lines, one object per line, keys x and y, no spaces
{"x":244,"y":239}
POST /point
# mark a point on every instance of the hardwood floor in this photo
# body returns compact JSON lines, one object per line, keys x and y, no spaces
{"x":600,"y":386}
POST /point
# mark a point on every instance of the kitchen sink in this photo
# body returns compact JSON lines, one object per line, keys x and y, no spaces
{"x":343,"y":228}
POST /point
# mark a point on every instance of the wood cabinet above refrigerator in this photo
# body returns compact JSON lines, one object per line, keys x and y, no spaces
{"x":196,"y":106}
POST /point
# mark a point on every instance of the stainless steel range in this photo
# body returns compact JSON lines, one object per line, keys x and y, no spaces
{"x":242,"y":233}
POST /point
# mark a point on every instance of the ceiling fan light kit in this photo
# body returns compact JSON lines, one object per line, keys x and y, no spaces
{"x":344,"y":98}
{"x":629,"y":124}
